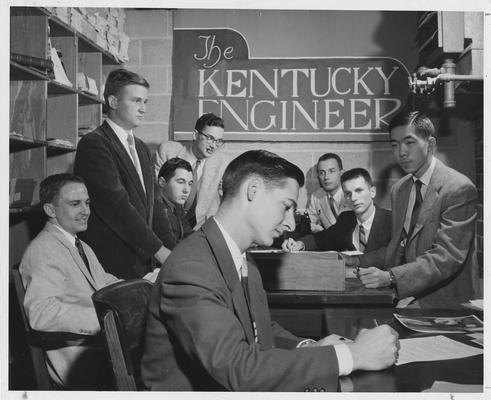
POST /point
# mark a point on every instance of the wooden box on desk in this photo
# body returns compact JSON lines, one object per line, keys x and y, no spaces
{"x":304,"y":270}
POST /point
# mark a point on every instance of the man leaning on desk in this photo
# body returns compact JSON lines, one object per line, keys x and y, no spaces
{"x":365,"y":228}
{"x":431,"y":258}
{"x":209,"y":326}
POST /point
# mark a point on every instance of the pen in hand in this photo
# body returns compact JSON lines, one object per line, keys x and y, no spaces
{"x":375,"y":322}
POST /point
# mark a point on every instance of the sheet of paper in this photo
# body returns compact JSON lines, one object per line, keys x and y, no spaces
{"x":477,"y":303}
{"x":433,"y":348}
{"x":448,"y":387}
{"x":478,"y":338}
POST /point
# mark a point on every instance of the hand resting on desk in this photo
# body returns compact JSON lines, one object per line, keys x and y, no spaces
{"x":292,"y":245}
{"x":373,"y":277}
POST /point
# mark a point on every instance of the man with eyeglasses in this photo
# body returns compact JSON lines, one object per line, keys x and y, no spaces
{"x":208,"y":166}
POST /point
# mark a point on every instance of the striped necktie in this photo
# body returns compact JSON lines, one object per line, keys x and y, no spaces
{"x":362,"y":238}
{"x":135,"y":159}
{"x":417,"y":206}
{"x":332,"y":205}
{"x":83,"y":256}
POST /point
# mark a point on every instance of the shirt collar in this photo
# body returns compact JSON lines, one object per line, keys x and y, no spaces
{"x":237,"y":255}
{"x":425,"y":178}
{"x":120,"y":132}
{"x":69,"y":236}
{"x":338,"y":194}
{"x":369,"y":221}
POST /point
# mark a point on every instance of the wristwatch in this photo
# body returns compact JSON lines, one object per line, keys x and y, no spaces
{"x":392,"y":280}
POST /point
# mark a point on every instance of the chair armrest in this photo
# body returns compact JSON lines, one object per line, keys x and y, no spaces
{"x":56,"y":340}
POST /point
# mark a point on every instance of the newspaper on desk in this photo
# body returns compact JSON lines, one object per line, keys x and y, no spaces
{"x":427,"y":324}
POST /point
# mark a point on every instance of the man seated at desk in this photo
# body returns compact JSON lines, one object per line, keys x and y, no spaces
{"x":366,"y":228}
{"x":209,"y":326}
{"x":175,"y":180}
{"x":60,"y":273}
{"x":432,"y":254}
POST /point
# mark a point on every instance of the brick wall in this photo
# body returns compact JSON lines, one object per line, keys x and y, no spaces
{"x":150,"y":54}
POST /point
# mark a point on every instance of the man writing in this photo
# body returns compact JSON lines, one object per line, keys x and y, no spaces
{"x":365,"y":228}
{"x":116,"y":167}
{"x":431,"y":256}
{"x":208,"y":164}
{"x":209,"y":326}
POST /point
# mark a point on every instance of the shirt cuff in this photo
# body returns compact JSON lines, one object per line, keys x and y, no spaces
{"x":305,"y":342}
{"x":345,"y":359}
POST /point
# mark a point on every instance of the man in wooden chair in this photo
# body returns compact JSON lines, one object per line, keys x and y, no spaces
{"x":60,"y":273}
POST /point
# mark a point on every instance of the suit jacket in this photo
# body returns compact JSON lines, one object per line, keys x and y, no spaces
{"x":119,"y":228}
{"x":339,"y":237}
{"x":207,"y":197}
{"x":58,"y":296}
{"x":319,"y":209}
{"x":169,"y":222}
{"x":440,"y":267}
{"x":199,"y":335}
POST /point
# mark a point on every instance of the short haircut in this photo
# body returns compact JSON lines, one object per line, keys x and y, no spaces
{"x":273,"y":169}
{"x":357,"y":173}
{"x":423,"y":126}
{"x":208,"y":119}
{"x":50,"y":187}
{"x":331,"y":156}
{"x":168,"y":169}
{"x":118,"y":79}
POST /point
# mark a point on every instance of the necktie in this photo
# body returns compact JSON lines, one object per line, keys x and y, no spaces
{"x":417,"y":206}
{"x":135,"y":159}
{"x":190,"y":202}
{"x":362,"y":238}
{"x":81,"y":251}
{"x":244,"y":275}
{"x":332,"y":205}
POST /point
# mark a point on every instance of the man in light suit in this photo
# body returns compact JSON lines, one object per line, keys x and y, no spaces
{"x":208,"y":164}
{"x":59,"y":282}
{"x":209,"y":326}
{"x":327,"y":202}
{"x":365,"y":228}
{"x":431,"y":258}
{"x":116,"y":167}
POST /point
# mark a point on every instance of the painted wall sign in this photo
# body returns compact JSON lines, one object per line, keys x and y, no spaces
{"x":281,"y":98}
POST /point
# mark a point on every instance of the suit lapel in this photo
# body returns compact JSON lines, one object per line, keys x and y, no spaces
{"x":146,"y":172}
{"x":350,"y":228}
{"x":73,"y":253}
{"x":125,"y":159}
{"x":227,"y":268}
{"x":375,"y":228}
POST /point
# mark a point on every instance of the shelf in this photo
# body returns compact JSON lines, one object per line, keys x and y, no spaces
{"x":59,"y":28}
{"x":24,"y":209}
{"x":55,"y":88}
{"x":18,"y":143}
{"x":53,"y":149}
{"x":86,"y":99}
{"x":19,"y":72}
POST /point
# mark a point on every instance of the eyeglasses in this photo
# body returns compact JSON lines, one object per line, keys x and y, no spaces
{"x":211,"y":140}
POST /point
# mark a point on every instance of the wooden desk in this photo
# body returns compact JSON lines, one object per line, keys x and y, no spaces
{"x":316,"y":313}
{"x":415,"y":377}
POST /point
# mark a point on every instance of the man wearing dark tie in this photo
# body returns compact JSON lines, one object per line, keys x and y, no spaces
{"x":209,"y":326}
{"x":117,"y":170}
{"x":327,"y":202}
{"x":60,"y":272}
{"x":431,"y":258}
{"x":208,"y":163}
{"x":365,"y":228}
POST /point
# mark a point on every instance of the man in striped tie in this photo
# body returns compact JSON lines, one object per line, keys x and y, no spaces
{"x":431,"y":258}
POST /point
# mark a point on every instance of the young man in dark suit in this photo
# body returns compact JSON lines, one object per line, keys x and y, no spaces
{"x":365,"y":227}
{"x":175,"y":181}
{"x":209,"y":326}
{"x":117,"y":169}
{"x":431,"y":258}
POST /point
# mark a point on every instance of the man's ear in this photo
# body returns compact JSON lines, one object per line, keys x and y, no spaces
{"x":49,"y":209}
{"x":253,"y":186}
{"x":162,"y":181}
{"x":112,"y":102}
{"x":431,"y":144}
{"x":373,"y":191}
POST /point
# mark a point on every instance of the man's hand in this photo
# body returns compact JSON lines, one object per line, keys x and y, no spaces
{"x":162,"y":254}
{"x":373,"y":277}
{"x":292,"y":245}
{"x":375,"y":349}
